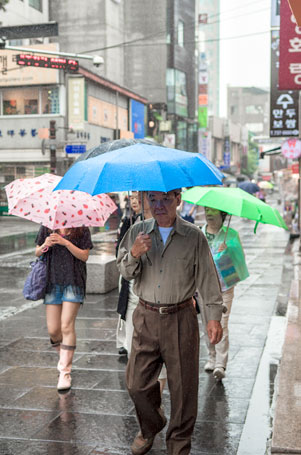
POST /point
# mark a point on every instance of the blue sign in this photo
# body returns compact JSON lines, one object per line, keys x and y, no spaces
{"x":227,"y":159}
{"x":137,"y":119}
{"x":75,"y":148}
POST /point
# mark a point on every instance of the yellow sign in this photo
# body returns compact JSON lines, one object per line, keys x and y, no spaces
{"x":12,"y":74}
{"x":76,"y":103}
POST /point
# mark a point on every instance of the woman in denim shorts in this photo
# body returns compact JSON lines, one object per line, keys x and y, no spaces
{"x":68,"y":251}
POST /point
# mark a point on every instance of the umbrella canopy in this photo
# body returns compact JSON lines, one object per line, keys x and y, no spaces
{"x":235,"y":202}
{"x":265,"y":185}
{"x":109,"y":146}
{"x":249,"y":187}
{"x":35,"y":200}
{"x":141,"y":167}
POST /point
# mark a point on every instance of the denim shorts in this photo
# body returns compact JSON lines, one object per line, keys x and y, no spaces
{"x":61,"y":294}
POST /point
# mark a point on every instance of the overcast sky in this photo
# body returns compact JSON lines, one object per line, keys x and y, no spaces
{"x":244,"y":61}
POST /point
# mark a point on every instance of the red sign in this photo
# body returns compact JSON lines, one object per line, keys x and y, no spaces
{"x":47,"y":62}
{"x":291,"y":148}
{"x":290,"y":50}
{"x":295,"y":168}
{"x":296,"y":9}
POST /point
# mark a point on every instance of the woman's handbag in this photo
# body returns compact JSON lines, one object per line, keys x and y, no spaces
{"x":35,"y":284}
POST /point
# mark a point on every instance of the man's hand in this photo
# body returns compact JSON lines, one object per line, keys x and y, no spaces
{"x":215,"y":331}
{"x":141,"y":245}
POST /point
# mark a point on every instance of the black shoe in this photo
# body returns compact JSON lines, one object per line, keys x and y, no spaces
{"x":122,"y":351}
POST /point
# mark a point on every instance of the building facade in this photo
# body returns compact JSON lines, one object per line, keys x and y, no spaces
{"x":148,"y":47}
{"x":249,"y":106}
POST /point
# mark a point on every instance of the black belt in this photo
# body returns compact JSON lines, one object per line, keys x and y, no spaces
{"x":166,"y":309}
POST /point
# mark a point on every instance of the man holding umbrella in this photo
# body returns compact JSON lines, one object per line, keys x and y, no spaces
{"x":169,"y":259}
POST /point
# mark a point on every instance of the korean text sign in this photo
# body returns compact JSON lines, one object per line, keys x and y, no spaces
{"x":290,"y":50}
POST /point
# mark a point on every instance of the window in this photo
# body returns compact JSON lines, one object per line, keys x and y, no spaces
{"x":177,"y":100}
{"x":31,"y":101}
{"x":181,"y":33}
{"x":50,"y":100}
{"x":20,"y":102}
{"x":36,"y":4}
{"x":253,"y":109}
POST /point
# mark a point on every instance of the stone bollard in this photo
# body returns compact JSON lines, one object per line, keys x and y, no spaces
{"x":102,"y":274}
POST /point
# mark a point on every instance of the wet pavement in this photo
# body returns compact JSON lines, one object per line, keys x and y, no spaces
{"x":97,"y":415}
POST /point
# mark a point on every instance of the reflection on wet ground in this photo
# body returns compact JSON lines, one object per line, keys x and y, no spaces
{"x":97,"y":416}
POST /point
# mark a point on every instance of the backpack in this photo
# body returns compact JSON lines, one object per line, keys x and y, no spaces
{"x":35,"y":283}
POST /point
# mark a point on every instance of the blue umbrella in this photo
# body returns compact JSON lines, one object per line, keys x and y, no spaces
{"x":249,"y":187}
{"x":140,"y":167}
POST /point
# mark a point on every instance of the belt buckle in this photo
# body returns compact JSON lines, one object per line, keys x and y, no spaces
{"x":162,"y":309}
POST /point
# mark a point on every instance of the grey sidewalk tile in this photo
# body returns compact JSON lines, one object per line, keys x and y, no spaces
{"x":90,"y":401}
{"x":101,"y":362}
{"x":28,"y":376}
{"x":212,"y":437}
{"x":23,"y":424}
{"x":9,"y":394}
{"x":93,"y":323}
{"x":93,"y":333}
{"x":96,"y":346}
{"x":106,"y":431}
{"x":11,"y":357}
{"x":25,"y":447}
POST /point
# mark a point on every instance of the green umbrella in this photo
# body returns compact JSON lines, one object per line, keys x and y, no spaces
{"x":235,"y":202}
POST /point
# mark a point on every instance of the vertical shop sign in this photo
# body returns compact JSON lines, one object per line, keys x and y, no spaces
{"x":76,"y":103}
{"x":284,"y":115}
{"x":290,"y":50}
{"x":137,"y":119}
{"x":227,"y":153}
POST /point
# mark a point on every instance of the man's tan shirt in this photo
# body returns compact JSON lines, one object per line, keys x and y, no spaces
{"x":172,"y":273}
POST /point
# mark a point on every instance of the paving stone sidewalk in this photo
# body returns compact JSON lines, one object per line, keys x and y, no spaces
{"x":97,"y":415}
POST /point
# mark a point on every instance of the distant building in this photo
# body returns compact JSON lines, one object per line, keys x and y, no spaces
{"x":84,"y":109}
{"x":148,"y":47}
{"x":249,"y":106}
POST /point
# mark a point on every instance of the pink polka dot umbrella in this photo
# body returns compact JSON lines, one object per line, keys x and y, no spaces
{"x":35,"y":200}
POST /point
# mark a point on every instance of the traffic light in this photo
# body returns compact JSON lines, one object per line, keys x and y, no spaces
{"x":52,"y":129}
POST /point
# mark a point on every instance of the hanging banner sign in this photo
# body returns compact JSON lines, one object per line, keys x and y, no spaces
{"x":284,"y":104}
{"x":290,"y":50}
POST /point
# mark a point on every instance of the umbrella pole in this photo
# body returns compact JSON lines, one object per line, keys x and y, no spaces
{"x":226,"y":233}
{"x":130,"y":210}
{"x":142,"y":209}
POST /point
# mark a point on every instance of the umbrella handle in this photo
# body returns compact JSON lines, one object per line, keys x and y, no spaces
{"x":257,"y":222}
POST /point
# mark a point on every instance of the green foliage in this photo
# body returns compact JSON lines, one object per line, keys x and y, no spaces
{"x":251,"y":164}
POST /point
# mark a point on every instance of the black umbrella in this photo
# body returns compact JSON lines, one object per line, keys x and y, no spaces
{"x":249,"y":187}
{"x":112,"y":145}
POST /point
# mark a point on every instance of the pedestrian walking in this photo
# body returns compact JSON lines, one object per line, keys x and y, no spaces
{"x":233,"y":256}
{"x":187,"y":211}
{"x":128,"y":300}
{"x":125,"y":293}
{"x":68,"y":251}
{"x":169,"y":259}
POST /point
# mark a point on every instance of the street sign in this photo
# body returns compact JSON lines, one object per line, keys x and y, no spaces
{"x":75,"y":148}
{"x":291,"y":148}
{"x":40,"y":61}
